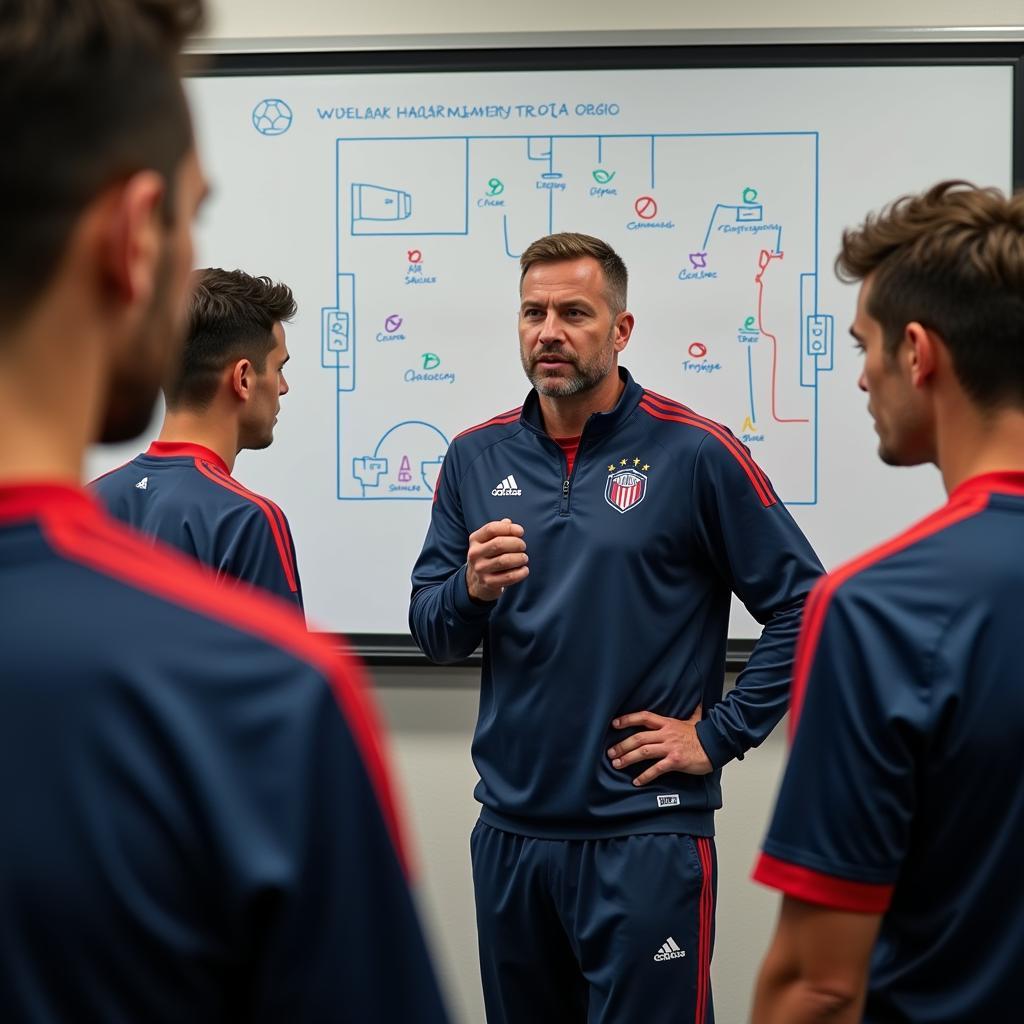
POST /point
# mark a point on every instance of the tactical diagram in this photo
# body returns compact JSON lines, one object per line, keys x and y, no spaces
{"x":719,"y":231}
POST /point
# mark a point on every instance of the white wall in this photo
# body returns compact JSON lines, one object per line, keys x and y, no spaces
{"x":270,"y":18}
{"x":431,"y":712}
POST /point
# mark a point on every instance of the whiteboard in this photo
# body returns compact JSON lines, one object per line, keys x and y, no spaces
{"x":396,"y":205}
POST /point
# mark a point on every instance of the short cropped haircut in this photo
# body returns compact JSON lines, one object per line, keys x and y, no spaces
{"x":569,"y":245}
{"x":951,"y":259}
{"x":91,"y":94}
{"x":231,"y":316}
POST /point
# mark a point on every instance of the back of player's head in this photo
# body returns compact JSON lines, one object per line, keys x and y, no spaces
{"x":951,"y":259}
{"x":569,"y":245}
{"x":231,"y":316}
{"x":91,"y":94}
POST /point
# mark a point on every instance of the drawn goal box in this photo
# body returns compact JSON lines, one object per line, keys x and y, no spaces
{"x":407,"y":187}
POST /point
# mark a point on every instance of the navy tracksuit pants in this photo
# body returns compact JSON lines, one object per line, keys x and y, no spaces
{"x":595,"y":931}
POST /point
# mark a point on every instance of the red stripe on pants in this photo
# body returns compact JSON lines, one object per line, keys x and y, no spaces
{"x":707,"y":913}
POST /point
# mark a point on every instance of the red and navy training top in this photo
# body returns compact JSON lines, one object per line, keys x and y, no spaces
{"x":198,"y":820}
{"x":184,"y":495}
{"x":904,"y":793}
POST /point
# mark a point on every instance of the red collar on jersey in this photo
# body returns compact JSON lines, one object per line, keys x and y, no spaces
{"x":172,"y":449}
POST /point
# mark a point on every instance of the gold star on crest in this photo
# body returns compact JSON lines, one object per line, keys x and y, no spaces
{"x":611,"y":468}
{"x":636,"y":462}
{"x":623,"y":462}
{"x":646,"y":467}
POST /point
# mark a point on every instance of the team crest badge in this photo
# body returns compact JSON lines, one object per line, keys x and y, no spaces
{"x":625,"y":489}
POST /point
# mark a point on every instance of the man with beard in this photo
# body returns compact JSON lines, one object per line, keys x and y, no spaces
{"x":197,"y":816}
{"x":224,"y":397}
{"x":897,"y":836}
{"x":591,"y":540}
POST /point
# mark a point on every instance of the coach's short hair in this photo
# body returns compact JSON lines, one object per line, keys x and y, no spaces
{"x":951,"y":259}
{"x":569,"y":245}
{"x":231,"y":317}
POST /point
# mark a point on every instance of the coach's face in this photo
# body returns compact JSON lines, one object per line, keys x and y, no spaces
{"x":152,"y":349}
{"x":902,"y":414}
{"x":569,"y":339}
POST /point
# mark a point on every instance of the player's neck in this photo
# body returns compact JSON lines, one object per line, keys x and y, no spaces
{"x":971,"y":444}
{"x":219,"y":434}
{"x":566,"y":417}
{"x":51,"y":401}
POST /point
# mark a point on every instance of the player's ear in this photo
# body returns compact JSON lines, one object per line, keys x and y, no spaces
{"x":922,"y":352}
{"x":131,"y":236}
{"x":242,"y":375}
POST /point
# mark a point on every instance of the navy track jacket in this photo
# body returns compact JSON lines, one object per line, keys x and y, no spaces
{"x":198,"y":822}
{"x":183,"y":495}
{"x":633,"y":558}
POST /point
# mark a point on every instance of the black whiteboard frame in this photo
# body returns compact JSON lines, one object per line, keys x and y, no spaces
{"x":399,"y":649}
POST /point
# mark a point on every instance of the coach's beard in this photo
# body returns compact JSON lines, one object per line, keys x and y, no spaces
{"x":586,"y":376}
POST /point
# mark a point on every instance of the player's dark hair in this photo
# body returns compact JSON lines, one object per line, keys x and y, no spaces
{"x":91,"y":94}
{"x":569,"y":245}
{"x":231,"y":316}
{"x":951,"y":259}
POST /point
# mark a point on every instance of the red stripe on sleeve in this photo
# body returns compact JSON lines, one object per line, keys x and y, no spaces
{"x":437,"y":484}
{"x":114,"y":551}
{"x":754,"y":474}
{"x":718,"y":429}
{"x":825,"y":890}
{"x":275,"y":509}
{"x":825,"y":588}
{"x":247,"y":492}
{"x":279,"y":534}
{"x":500,"y":420}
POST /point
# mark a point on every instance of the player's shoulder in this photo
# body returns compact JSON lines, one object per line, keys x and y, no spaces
{"x":127,"y":474}
{"x":211,"y":632}
{"x":234,"y":498}
{"x":138,"y":567}
{"x":923,"y":559}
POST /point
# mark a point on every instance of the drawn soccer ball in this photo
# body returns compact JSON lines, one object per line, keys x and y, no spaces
{"x":272,"y":117}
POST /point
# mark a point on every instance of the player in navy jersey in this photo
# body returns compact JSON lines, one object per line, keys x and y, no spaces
{"x":225,"y":398}
{"x":899,"y":827}
{"x":592,"y":540}
{"x":198,"y":823}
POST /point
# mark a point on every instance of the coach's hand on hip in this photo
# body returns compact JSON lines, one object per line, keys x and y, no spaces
{"x":496,"y":559}
{"x":670,"y":742}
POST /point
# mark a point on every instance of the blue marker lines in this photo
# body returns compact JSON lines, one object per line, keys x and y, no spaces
{"x":504,"y":228}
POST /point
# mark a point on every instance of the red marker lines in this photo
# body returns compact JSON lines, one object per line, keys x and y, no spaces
{"x":764,"y":262}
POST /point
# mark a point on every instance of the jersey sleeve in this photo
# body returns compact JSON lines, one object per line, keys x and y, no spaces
{"x":842,"y":823}
{"x":323,"y":892}
{"x":445,"y":621}
{"x":260,"y":551}
{"x":752,"y":542}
